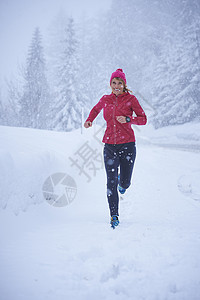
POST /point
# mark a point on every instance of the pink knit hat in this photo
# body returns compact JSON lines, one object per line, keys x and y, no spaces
{"x":118,"y":73}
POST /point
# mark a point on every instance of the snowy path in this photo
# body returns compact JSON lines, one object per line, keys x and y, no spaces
{"x":72,"y":253}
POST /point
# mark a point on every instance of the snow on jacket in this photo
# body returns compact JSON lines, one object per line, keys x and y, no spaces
{"x":121,"y":105}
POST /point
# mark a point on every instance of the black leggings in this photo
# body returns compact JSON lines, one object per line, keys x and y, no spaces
{"x":115,"y":156}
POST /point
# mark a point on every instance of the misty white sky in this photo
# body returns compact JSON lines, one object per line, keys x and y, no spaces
{"x":18,"y":19}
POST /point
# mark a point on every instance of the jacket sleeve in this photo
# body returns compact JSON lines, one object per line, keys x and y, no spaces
{"x":96,"y":110}
{"x":141,"y":118}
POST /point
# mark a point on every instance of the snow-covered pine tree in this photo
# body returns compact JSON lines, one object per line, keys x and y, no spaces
{"x":190,"y":25}
{"x":13,"y":103}
{"x":35,"y":100}
{"x":56,"y":34}
{"x":68,"y":101}
{"x":2,"y":112}
{"x":165,"y":81}
{"x":176,"y":76}
{"x":91,"y":67}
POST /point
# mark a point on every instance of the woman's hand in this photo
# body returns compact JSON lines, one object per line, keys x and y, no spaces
{"x":87,"y":124}
{"x":121,"y":119}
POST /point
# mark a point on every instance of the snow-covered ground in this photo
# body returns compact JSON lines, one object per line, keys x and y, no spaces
{"x":70,"y":252}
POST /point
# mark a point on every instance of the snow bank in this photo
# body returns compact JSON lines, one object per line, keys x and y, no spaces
{"x":186,"y":136}
{"x":28,"y":157}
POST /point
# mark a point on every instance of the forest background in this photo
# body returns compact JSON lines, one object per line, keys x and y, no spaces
{"x":156,"y":43}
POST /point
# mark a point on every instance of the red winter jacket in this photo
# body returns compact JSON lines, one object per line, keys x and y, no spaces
{"x":121,"y":105}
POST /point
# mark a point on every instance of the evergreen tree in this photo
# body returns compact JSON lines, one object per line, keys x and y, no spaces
{"x":91,"y":62}
{"x":190,"y":24}
{"x":69,"y":102}
{"x":176,"y":77}
{"x":54,"y":46}
{"x":2,"y":112}
{"x":13,"y":103}
{"x":35,"y":99}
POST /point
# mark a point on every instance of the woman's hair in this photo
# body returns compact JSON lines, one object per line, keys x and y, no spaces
{"x":126,"y":90}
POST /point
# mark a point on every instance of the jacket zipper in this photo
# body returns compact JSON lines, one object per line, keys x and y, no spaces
{"x":114,"y":119}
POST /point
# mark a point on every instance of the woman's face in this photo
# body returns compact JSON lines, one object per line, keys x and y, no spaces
{"x":117,"y":86}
